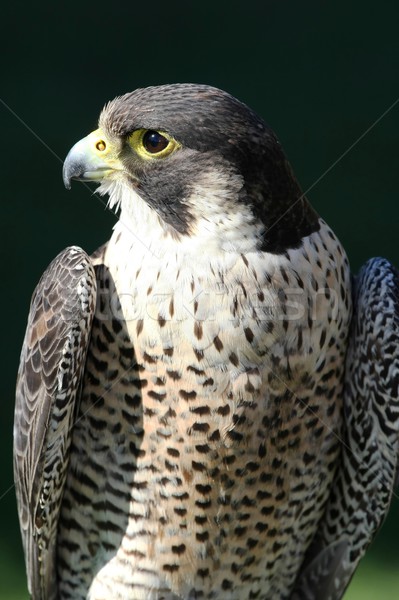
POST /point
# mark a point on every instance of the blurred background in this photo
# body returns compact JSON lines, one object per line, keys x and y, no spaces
{"x":323,"y":74}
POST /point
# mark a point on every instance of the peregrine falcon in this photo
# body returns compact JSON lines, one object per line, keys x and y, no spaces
{"x":207,"y":407}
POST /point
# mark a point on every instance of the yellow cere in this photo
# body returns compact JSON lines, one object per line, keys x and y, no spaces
{"x":151,"y":144}
{"x":100,"y":142}
{"x":101,"y":146}
{"x":105,"y":151}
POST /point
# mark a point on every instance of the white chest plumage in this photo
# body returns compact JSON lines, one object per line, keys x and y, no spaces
{"x":217,"y":409}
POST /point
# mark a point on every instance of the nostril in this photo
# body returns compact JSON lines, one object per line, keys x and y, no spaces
{"x":101,"y":145}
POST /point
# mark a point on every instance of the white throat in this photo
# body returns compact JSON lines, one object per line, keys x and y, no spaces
{"x":218,"y":227}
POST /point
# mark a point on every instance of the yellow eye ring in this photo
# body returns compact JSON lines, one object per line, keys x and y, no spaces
{"x":152,"y":144}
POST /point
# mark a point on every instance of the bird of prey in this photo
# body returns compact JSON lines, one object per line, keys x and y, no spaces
{"x":207,"y":407}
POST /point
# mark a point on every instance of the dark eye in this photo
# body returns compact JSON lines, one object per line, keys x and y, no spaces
{"x":154,"y":142}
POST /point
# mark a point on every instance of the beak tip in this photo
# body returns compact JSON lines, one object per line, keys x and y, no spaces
{"x":83,"y":164}
{"x":66,"y":177}
{"x":67,"y":183}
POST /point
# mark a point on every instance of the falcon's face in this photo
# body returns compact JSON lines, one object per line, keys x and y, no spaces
{"x":194,"y":154}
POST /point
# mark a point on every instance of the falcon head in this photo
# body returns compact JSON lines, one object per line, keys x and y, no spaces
{"x":197,"y":161}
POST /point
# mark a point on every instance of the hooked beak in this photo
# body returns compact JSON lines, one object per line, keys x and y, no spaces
{"x":90,"y":159}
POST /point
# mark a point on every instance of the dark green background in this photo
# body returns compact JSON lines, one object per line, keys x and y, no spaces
{"x":320,"y":73}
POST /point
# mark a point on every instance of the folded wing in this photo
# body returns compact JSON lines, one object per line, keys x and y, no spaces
{"x":48,"y":387}
{"x":365,"y":479}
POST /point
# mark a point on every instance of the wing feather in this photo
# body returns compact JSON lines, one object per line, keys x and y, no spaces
{"x":48,"y":385}
{"x":365,"y":479}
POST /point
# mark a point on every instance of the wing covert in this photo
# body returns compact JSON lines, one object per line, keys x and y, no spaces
{"x":48,"y":386}
{"x":365,"y":478}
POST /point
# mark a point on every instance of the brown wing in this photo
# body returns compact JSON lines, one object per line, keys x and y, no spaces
{"x":48,"y":387}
